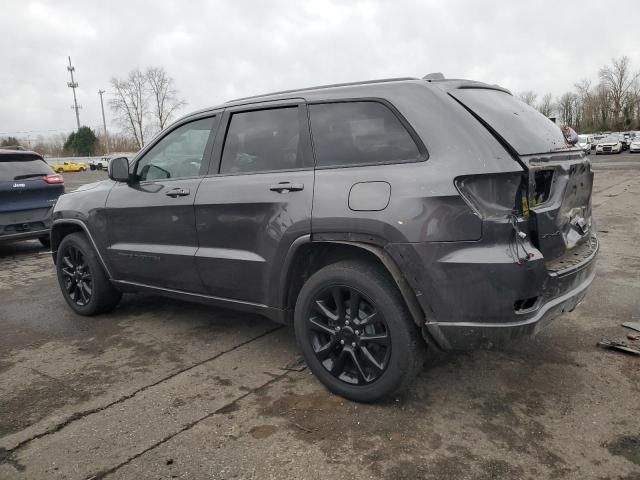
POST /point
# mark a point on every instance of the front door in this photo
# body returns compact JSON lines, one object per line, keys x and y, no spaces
{"x":256,"y":202}
{"x":151,"y":220}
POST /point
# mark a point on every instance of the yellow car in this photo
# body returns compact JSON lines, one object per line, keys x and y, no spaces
{"x":69,"y":167}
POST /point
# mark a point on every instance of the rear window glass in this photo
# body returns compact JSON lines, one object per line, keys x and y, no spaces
{"x":356,"y":133}
{"x":18,"y":168}
{"x":522,"y":126}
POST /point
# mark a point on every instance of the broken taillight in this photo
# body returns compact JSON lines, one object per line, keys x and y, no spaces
{"x":543,"y":179}
{"x":53,"y":178}
{"x":494,"y":195}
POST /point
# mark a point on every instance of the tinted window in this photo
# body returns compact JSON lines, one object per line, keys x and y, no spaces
{"x":263,"y":140}
{"x":17,"y":167}
{"x":354,"y":133}
{"x":522,"y":126}
{"x":178,"y":154}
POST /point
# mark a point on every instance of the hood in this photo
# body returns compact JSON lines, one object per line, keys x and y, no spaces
{"x":91,"y":186}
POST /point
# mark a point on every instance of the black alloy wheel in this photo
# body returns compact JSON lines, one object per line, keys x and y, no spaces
{"x":355,"y":332}
{"x":76,"y":275}
{"x":349,"y":335}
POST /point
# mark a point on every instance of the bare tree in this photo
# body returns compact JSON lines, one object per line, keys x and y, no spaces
{"x":566,"y":108}
{"x":529,"y":97}
{"x":546,"y":105}
{"x":130,"y":104}
{"x":164,"y":96}
{"x":619,"y":81}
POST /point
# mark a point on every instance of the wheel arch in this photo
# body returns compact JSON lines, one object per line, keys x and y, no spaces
{"x":309,"y":256}
{"x":63,"y":227}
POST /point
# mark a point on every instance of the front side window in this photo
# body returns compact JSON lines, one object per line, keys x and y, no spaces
{"x":178,"y":154}
{"x":359,"y":133}
{"x":263,"y":140}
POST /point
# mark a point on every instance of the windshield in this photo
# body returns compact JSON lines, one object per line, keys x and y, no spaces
{"x":611,"y":139}
{"x":583,"y":138}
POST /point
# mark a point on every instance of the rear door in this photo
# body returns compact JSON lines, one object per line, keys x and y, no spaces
{"x":151,"y":221}
{"x":256,"y":202}
{"x":27,"y":194}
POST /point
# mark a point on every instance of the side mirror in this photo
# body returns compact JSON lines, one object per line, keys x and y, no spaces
{"x":118,"y":169}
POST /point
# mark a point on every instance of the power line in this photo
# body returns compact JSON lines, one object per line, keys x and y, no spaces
{"x":73,"y":85}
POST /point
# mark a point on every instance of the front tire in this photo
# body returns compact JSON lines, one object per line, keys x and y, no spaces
{"x":355,"y":332}
{"x":82,"y":279}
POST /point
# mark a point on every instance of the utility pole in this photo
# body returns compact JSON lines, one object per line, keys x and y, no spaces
{"x":104,"y":122}
{"x":73,"y":85}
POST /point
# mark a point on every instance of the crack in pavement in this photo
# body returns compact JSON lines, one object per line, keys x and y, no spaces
{"x":225,"y":408}
{"x":6,"y":455}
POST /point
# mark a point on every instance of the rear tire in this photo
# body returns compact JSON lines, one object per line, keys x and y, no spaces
{"x":384,"y":350}
{"x":82,"y":279}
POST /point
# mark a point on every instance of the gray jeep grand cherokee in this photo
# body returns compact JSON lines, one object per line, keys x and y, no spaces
{"x":369,"y":215}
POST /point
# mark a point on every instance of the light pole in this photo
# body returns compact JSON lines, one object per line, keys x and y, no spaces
{"x":104,"y":122}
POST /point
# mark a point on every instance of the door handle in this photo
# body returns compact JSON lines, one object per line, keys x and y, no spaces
{"x":177,"y":192}
{"x":285,"y":187}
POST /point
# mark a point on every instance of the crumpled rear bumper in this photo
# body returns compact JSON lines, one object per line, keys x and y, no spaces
{"x":470,"y":293}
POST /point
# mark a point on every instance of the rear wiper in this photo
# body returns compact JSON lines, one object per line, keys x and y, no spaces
{"x":28,"y":175}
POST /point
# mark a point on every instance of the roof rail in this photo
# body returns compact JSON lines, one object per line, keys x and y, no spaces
{"x":434,"y":76}
{"x":319,"y":87}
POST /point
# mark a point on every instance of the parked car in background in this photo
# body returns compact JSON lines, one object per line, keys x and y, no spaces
{"x":596,"y":139}
{"x":625,"y":140}
{"x":634,"y":146}
{"x":481,"y":238}
{"x":610,"y":144}
{"x":100,"y":163}
{"x":585,"y":142}
{"x":29,"y":190}
{"x":69,"y":167}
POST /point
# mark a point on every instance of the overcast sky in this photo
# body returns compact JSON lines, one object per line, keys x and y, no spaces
{"x":218,"y":50}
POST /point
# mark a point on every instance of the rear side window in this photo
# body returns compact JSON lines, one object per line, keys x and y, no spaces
{"x":263,"y":140}
{"x":19,"y":167}
{"x":359,"y":133}
{"x":521,"y":126}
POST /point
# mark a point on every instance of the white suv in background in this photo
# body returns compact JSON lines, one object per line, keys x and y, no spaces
{"x":584,"y":142}
{"x":102,"y":163}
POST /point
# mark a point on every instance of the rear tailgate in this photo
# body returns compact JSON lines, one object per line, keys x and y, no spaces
{"x":26,"y":199}
{"x":557,"y":197}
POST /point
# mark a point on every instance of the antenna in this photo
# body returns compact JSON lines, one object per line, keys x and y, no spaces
{"x":73,"y":85}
